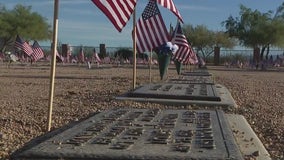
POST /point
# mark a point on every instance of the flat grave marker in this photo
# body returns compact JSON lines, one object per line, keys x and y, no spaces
{"x":192,"y":80}
{"x":140,"y":134}
{"x":182,"y":94}
{"x":196,"y":73}
{"x":178,"y":91}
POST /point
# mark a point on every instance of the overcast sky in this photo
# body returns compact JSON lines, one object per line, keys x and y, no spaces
{"x":82,"y":23}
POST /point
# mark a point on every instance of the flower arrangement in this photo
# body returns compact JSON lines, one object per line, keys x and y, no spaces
{"x":167,"y":49}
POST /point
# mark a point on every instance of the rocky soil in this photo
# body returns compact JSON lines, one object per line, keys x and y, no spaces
{"x":79,"y":92}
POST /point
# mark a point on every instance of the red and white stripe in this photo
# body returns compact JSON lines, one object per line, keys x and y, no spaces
{"x":23,"y":46}
{"x":193,"y":58}
{"x":97,"y":58}
{"x":171,"y":6}
{"x":60,"y":57}
{"x":27,"y":49}
{"x":37,"y":51}
{"x":151,"y":30}
{"x":118,"y":11}
{"x":185,"y":53}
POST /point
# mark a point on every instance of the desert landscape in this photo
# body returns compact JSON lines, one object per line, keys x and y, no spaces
{"x":80,"y":92}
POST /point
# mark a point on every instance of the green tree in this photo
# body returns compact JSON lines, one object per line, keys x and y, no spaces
{"x":256,"y":29}
{"x":123,"y":53}
{"x":278,"y":22}
{"x":204,"y":40}
{"x":22,"y":21}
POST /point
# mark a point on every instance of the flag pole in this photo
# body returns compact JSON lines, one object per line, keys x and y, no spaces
{"x":134,"y":49}
{"x":52,"y":70}
{"x":150,"y":66}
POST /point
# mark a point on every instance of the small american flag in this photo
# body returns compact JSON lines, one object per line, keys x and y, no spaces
{"x":171,"y":6}
{"x":118,"y":11}
{"x":185,"y":53}
{"x":23,"y":46}
{"x":81,"y":56}
{"x":37,"y":51}
{"x":151,"y":29}
{"x":97,"y":58}
{"x":193,"y":58}
{"x":59,"y":57}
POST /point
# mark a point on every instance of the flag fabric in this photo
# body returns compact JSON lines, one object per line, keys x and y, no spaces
{"x":23,"y":46}
{"x":59,"y":57}
{"x":171,"y":6}
{"x":201,"y":61}
{"x":2,"y":56}
{"x":97,"y":58}
{"x":81,"y":56}
{"x":151,"y":30}
{"x":193,"y":58}
{"x":118,"y":11}
{"x":185,"y":53}
{"x":37,"y":51}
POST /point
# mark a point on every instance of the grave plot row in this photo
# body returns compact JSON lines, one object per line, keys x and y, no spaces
{"x":166,"y":134}
{"x":140,"y":134}
{"x":191,"y":88}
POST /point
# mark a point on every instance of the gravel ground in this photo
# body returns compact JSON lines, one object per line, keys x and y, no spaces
{"x":80,"y":92}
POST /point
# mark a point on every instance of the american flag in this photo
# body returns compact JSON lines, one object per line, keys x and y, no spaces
{"x":81,"y":56}
{"x":59,"y":57}
{"x":151,"y":29}
{"x":97,"y":58}
{"x":193,"y":58}
{"x":171,"y":6}
{"x":37,"y":51}
{"x":118,"y":11}
{"x":185,"y":53}
{"x":23,"y":46}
